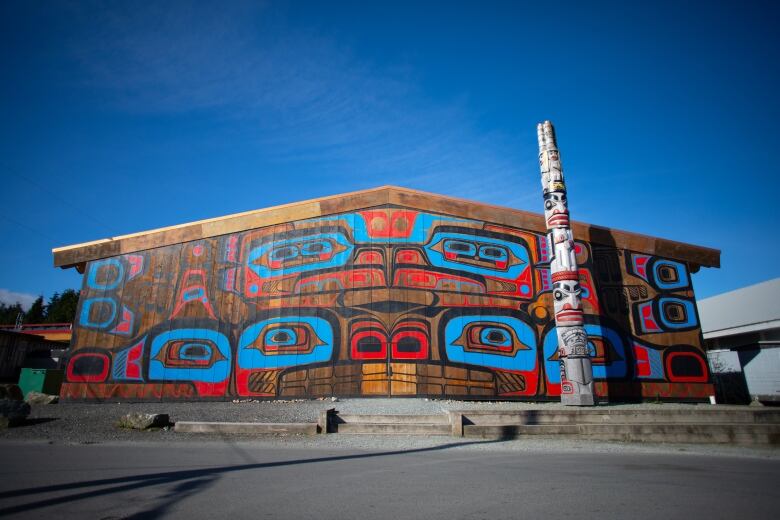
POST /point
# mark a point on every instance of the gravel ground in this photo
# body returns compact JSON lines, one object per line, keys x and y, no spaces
{"x":78,"y":423}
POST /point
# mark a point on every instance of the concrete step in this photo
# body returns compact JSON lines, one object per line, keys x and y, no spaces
{"x":249,"y":428}
{"x":747,"y":434}
{"x":393,"y":419}
{"x":394,"y":429}
{"x":607,"y":416}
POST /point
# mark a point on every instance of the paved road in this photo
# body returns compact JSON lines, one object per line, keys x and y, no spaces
{"x":242,"y":480}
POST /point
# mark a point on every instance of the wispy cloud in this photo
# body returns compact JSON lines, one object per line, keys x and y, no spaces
{"x":11,"y":298}
{"x":303,"y":98}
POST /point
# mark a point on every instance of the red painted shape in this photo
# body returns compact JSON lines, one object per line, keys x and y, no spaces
{"x":350,"y":279}
{"x":423,"y":279}
{"x":587,"y":284}
{"x":136,"y":263}
{"x":648,"y":320}
{"x":133,"y":366}
{"x":232,"y":247}
{"x":399,"y":223}
{"x":685,"y":379}
{"x":409,"y":256}
{"x":230,"y":279}
{"x":642,"y":361}
{"x":242,"y":382}
{"x":192,"y":280}
{"x":125,"y":325}
{"x":369,"y":258}
{"x":419,"y":335}
{"x":641,"y":265}
{"x":379,"y":336}
{"x":211,"y":389}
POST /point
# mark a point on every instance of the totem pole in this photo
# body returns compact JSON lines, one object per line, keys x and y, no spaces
{"x":576,"y":371}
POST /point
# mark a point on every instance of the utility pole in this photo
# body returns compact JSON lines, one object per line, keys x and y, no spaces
{"x":573,"y":355}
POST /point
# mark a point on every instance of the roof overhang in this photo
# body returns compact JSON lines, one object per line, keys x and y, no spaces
{"x":76,"y":255}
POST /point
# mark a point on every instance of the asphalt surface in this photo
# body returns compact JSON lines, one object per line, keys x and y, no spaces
{"x":447,"y":480}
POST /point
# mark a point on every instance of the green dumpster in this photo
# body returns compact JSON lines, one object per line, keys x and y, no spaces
{"x":44,"y":380}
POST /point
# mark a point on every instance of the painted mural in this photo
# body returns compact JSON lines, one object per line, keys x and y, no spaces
{"x":386,"y":301}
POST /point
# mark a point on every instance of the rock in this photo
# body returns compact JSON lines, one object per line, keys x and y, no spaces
{"x":142,"y":421}
{"x":39,"y":398}
{"x":14,"y":411}
{"x":11,"y":391}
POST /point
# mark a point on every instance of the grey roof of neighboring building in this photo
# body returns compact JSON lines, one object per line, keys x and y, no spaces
{"x":750,"y":309}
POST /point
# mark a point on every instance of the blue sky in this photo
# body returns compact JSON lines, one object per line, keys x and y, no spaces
{"x":121,"y":117}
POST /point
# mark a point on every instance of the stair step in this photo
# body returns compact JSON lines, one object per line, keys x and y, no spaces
{"x":243,"y":427}
{"x":395,"y":429}
{"x":648,"y":432}
{"x":393,"y":419}
{"x":602,"y":416}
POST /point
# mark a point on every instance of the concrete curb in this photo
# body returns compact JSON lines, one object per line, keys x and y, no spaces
{"x":249,"y":428}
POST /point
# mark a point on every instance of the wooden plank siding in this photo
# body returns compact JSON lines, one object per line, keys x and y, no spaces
{"x":78,"y":254}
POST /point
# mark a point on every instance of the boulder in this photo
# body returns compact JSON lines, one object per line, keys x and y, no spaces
{"x":142,"y":421}
{"x":11,"y":391}
{"x":39,"y":398}
{"x":13,"y":412}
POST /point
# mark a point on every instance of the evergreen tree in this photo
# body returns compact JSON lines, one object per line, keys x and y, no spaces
{"x":8,"y":313}
{"x":62,"y":307}
{"x":37,"y":312}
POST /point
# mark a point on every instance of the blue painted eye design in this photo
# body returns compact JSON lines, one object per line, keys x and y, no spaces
{"x":287,"y":338}
{"x":299,"y":254}
{"x":496,"y":338}
{"x":479,"y":254}
{"x":456,"y":250}
{"x":190,"y":353}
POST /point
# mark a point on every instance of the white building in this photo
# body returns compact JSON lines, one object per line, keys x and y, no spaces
{"x":741,"y":331}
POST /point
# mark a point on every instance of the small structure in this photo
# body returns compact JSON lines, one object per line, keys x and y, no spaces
{"x":19,"y":350}
{"x":51,"y":331}
{"x":741,"y":332}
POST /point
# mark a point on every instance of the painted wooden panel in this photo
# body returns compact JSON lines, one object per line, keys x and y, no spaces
{"x":389,"y":300}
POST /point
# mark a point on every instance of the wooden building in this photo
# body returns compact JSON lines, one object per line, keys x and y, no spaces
{"x":383,"y":292}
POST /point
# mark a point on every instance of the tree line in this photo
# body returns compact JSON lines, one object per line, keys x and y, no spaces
{"x":61,"y":308}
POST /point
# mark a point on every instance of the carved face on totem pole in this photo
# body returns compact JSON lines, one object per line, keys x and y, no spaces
{"x":552,"y":177}
{"x":566,"y":298}
{"x":575,"y":342}
{"x":564,"y":252}
{"x":555,"y":211}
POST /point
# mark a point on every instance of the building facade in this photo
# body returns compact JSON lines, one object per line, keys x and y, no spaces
{"x":741,"y":331}
{"x":386,"y":292}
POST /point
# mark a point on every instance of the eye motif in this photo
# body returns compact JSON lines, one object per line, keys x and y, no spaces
{"x":303,"y":252}
{"x":196,"y":353}
{"x":286,"y":338}
{"x":494,"y":256}
{"x":286,"y":256}
{"x":481,"y":252}
{"x":495,"y":338}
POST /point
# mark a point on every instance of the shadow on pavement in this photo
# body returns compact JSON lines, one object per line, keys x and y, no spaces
{"x":190,"y":481}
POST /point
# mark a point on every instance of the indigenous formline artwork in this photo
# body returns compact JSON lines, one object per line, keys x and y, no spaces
{"x":576,"y":370}
{"x":383,"y":301}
